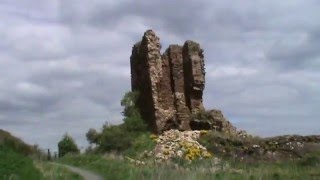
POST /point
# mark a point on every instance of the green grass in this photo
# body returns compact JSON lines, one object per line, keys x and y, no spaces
{"x":16,"y":166}
{"x":51,"y":171}
{"x":203,"y":169}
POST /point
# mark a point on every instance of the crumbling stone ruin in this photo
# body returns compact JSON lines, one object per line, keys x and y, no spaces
{"x":170,"y":85}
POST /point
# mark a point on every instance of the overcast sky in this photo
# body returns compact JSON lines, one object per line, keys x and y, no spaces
{"x":65,"y":63}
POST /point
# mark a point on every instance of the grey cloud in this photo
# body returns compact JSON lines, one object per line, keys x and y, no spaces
{"x":34,"y":41}
{"x":297,"y":52}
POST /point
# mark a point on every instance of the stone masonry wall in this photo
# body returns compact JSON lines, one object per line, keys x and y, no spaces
{"x":170,"y":85}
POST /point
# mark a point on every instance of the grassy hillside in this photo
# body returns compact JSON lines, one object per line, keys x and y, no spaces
{"x":15,"y":144}
{"x":15,"y":165}
{"x":15,"y":162}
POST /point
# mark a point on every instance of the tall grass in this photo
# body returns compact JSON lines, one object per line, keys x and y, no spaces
{"x":203,"y":169}
{"x":55,"y":172}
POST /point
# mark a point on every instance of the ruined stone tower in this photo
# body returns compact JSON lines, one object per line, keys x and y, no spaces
{"x":170,"y":84}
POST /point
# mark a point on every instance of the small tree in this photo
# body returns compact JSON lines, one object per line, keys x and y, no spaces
{"x":120,"y":137}
{"x":67,"y":145}
{"x":132,"y":119}
{"x":129,"y":103}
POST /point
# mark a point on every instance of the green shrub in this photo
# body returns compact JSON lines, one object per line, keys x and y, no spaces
{"x":121,"y":137}
{"x":115,"y":138}
{"x":67,"y":145}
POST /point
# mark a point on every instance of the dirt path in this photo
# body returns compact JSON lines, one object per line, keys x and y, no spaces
{"x":87,"y":175}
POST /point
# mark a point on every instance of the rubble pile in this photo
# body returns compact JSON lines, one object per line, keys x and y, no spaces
{"x":179,"y":144}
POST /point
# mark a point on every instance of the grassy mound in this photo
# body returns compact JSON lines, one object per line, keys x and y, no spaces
{"x":16,"y":166}
{"x":15,"y":162}
{"x":15,"y":144}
